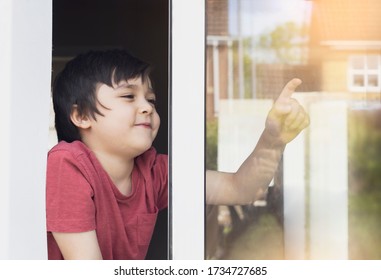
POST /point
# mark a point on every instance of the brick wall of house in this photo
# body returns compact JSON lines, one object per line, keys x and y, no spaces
{"x":343,"y":21}
{"x":334,"y":74}
{"x":217,"y":17}
{"x":271,"y":78}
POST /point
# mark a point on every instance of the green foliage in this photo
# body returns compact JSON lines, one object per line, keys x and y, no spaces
{"x":284,"y":40}
{"x":365,"y":225}
{"x":364,"y":206}
{"x":364,"y":150}
{"x":211,"y":144}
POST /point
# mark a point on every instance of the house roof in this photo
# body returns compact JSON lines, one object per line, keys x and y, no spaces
{"x":346,"y":20}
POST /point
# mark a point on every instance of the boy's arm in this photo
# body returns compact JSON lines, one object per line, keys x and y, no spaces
{"x":284,"y":122}
{"x":78,"y":246}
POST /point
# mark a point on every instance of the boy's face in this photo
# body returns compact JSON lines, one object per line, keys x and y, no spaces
{"x":130,"y":122}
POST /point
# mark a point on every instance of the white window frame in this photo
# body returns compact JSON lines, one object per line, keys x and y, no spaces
{"x":364,"y":72}
{"x":26,"y":99}
{"x":187,"y":175}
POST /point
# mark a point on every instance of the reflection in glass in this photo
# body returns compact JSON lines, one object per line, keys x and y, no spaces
{"x":324,"y":201}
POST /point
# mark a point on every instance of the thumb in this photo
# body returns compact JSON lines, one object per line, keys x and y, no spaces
{"x":282,"y":107}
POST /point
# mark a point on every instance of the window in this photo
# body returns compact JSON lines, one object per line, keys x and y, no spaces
{"x":364,"y":73}
{"x":121,"y":21}
{"x":324,"y":198}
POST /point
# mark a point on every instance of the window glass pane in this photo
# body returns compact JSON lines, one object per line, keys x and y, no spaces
{"x":373,"y":81}
{"x":373,"y":62}
{"x":358,"y":80}
{"x":324,"y":197}
{"x":358,"y":62}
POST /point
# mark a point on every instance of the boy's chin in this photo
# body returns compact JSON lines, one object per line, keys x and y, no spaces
{"x":142,"y":149}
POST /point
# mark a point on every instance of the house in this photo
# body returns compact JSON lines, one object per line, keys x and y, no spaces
{"x":345,"y":44}
{"x":343,"y":55}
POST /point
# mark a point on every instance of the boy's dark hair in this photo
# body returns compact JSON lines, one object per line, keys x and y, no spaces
{"x":78,"y":81}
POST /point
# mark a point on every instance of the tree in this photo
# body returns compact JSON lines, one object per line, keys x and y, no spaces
{"x":287,"y":41}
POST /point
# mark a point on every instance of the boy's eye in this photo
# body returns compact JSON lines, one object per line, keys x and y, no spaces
{"x":152,"y":101}
{"x":129,"y":96}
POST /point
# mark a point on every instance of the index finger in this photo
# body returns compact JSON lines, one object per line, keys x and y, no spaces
{"x":289,"y":88}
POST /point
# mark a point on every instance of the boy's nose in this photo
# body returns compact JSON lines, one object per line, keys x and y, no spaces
{"x":145,"y":107}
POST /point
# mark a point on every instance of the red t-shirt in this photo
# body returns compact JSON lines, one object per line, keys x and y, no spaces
{"x":80,"y":197}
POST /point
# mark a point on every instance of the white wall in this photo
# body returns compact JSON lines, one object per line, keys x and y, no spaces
{"x":237,"y":136}
{"x":25,"y":69}
{"x":316,"y":184}
{"x":328,"y":180}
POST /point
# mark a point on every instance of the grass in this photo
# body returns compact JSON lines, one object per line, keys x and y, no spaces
{"x":364,"y":209}
{"x":262,"y":240}
{"x":365,"y":225}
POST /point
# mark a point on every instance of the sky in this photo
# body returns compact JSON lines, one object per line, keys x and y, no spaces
{"x":259,"y":16}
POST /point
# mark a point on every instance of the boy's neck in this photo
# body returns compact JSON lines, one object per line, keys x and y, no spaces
{"x":119,"y":169}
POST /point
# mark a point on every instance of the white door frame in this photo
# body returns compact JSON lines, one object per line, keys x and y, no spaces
{"x":25,"y":73}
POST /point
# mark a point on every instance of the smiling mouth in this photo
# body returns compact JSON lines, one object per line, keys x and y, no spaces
{"x":145,"y":125}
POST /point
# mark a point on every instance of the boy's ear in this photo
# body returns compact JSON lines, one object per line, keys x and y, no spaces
{"x":79,"y":120}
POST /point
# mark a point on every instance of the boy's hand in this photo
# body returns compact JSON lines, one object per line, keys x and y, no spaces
{"x":287,"y":118}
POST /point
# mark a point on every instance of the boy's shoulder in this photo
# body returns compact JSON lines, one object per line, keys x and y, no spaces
{"x":75,"y":148}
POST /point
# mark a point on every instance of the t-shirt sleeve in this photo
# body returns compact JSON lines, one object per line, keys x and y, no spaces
{"x":161,"y":172}
{"x":69,"y":196}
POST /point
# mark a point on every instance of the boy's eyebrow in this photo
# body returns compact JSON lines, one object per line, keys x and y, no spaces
{"x":134,"y":87}
{"x":131,"y":86}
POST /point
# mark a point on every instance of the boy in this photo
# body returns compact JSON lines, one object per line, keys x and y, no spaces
{"x":106,"y":183}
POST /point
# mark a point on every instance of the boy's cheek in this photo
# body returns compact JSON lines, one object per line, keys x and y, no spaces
{"x":158,"y":121}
